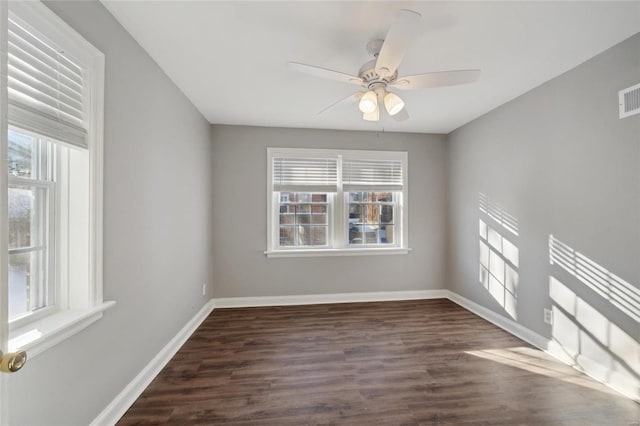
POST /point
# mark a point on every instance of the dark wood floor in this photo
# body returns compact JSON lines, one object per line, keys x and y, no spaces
{"x":391,"y":363}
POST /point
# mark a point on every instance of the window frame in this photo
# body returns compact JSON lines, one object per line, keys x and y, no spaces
{"x":77,"y":305}
{"x":50,"y":233}
{"x":338,"y":229}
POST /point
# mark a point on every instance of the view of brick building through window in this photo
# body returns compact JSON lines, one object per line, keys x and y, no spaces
{"x":304,"y":218}
{"x":371,"y":217}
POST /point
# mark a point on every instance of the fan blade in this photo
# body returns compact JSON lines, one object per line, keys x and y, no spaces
{"x":354,"y":97}
{"x":436,"y":79}
{"x":403,"y":30}
{"x":325,"y":73}
{"x":402,"y":115}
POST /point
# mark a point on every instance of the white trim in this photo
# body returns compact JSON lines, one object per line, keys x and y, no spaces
{"x":624,"y":384}
{"x":4,"y":221}
{"x":623,"y":113}
{"x":38,"y":336}
{"x":501,"y":321}
{"x":627,"y":385}
{"x":96,"y":177}
{"x":337,"y":252}
{"x":271,"y":233}
{"x":319,"y":299}
{"x":125,"y":399}
{"x":50,"y":25}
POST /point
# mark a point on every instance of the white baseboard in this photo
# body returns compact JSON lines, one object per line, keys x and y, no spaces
{"x":622,"y":383}
{"x":504,"y":323}
{"x":121,"y":403}
{"x":318,"y":299}
{"x":125,"y":399}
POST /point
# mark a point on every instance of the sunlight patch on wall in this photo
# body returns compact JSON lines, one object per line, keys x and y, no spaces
{"x":499,"y":262}
{"x":591,"y":341}
{"x":607,"y":285}
{"x":496,"y":212}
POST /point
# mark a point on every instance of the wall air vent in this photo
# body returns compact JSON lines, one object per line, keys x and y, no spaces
{"x":629,"y":100}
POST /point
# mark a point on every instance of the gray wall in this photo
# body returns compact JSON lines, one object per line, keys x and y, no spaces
{"x":557,"y":159}
{"x":560,"y":162}
{"x":157,"y":234}
{"x":240,"y":267}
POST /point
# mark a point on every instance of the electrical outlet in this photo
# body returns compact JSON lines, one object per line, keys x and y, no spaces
{"x":204,"y":289}
{"x":548,"y":316}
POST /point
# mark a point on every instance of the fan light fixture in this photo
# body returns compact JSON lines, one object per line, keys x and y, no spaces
{"x":369,"y":103}
{"x":372,"y":116}
{"x":381,"y":72}
{"x":393,"y":103}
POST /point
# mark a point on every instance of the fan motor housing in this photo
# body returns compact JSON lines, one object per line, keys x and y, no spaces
{"x":369,"y":75}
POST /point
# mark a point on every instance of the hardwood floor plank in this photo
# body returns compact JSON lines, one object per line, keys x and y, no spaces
{"x":384,"y":363}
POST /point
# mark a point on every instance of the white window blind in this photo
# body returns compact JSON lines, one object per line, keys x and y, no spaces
{"x":302,"y":174}
{"x":45,"y":86}
{"x":365,"y":174}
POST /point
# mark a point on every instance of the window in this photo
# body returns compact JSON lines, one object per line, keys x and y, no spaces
{"x":54,"y":194}
{"x":327,"y":202}
{"x":30,"y":210}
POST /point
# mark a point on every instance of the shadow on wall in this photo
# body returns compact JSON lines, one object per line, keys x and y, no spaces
{"x":583,"y":335}
{"x":499,"y":257}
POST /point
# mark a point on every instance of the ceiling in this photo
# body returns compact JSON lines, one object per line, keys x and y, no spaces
{"x":230,"y":58}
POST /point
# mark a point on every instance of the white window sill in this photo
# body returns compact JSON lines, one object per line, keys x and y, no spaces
{"x":47,"y":332}
{"x":337,"y":252}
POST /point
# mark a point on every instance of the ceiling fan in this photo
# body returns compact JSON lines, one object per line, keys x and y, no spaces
{"x":381,"y":73}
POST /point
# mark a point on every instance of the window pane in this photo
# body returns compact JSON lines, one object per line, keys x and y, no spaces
{"x":287,"y":218}
{"x":386,"y":234}
{"x":22,"y":150}
{"x":19,"y":277}
{"x":319,"y":214}
{"x":304,"y":235}
{"x":26,"y":216}
{"x":303,"y":214}
{"x":319,"y":235}
{"x":355,"y":235}
{"x":303,"y":208}
{"x":27,"y":288}
{"x":371,"y":218}
{"x":384,"y":196}
{"x":318,"y":209}
{"x":370,"y":234}
{"x":373,"y":212}
{"x":386,"y":214}
{"x":287,"y":236}
{"x":286,"y":197}
{"x":357,"y":196}
{"x":303,"y":197}
{"x":355,"y":213}
{"x":303,"y":219}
